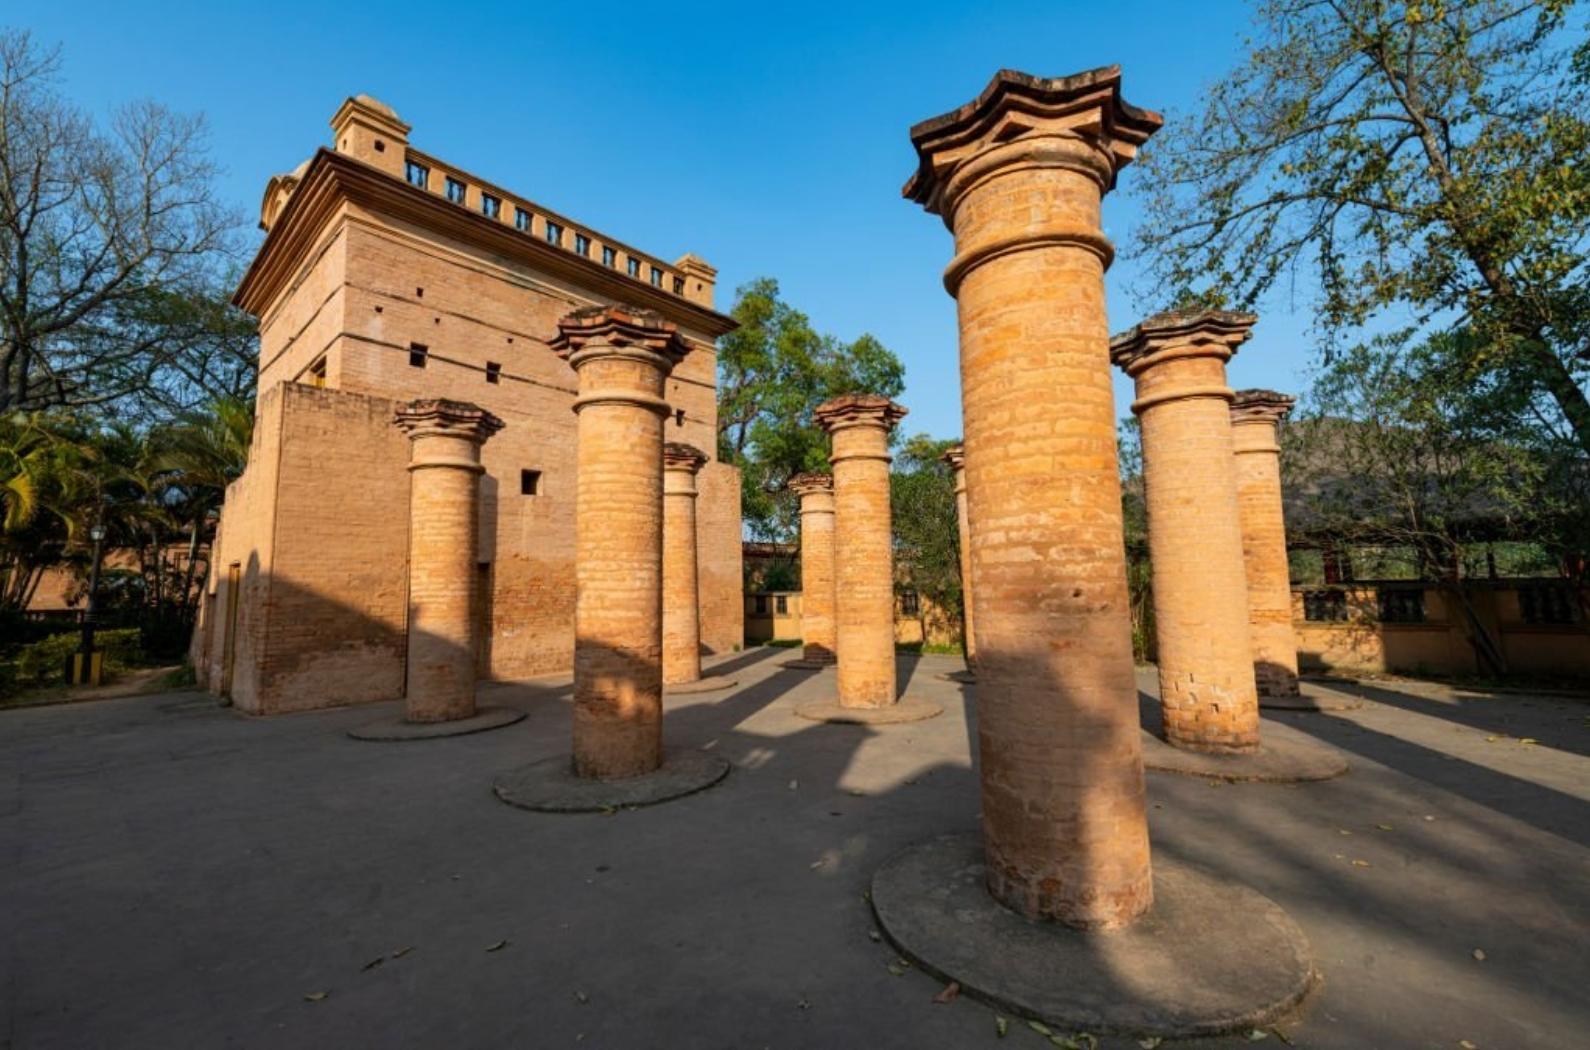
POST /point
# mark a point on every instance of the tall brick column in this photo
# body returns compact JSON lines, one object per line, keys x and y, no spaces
{"x":1019,"y":175}
{"x":681,"y":602}
{"x":1206,"y":689}
{"x":1255,"y":415}
{"x":859,"y":426}
{"x":816,"y":493}
{"x":444,"y":525}
{"x":622,"y":357}
{"x":955,"y":456}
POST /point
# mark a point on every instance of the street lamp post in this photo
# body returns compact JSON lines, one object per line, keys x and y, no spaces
{"x":85,"y":667}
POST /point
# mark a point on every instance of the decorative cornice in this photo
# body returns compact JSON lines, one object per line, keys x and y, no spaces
{"x":677,"y":455}
{"x":333,"y":180}
{"x":955,"y":456}
{"x":439,"y":417}
{"x":1180,"y":333}
{"x":618,"y":329}
{"x":1261,"y":406}
{"x":849,"y":410}
{"x":810,"y":482}
{"x":1087,"y":105}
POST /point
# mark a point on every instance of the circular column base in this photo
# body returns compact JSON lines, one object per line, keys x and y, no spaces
{"x":550,"y":786}
{"x":1281,"y":759}
{"x":1209,"y":958}
{"x":710,"y":683}
{"x":967,"y":677}
{"x":399,"y":728}
{"x":804,"y":664}
{"x":1313,"y":698}
{"x":906,"y":709}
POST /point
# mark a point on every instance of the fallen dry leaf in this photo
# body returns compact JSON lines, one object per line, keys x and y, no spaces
{"x":1466,"y":1045}
{"x":1479,"y":954}
{"x":499,"y":946}
{"x":402,"y":951}
{"x":1001,"y":1027}
{"x":948,"y":993}
{"x":315,"y":997}
{"x":1360,"y":864}
{"x":1150,"y":1043}
{"x":373,"y":963}
{"x":1384,"y":827}
{"x":1039,"y":1027}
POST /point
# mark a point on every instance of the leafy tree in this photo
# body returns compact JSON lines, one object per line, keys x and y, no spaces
{"x":1410,"y":161}
{"x":772,"y":372}
{"x":1134,"y":512}
{"x":112,"y":250}
{"x":927,"y":545}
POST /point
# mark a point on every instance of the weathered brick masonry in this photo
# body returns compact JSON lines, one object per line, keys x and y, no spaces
{"x":1018,"y":174}
{"x":955,"y":456}
{"x":1255,"y":415}
{"x":374,"y":287}
{"x":859,"y":426}
{"x":681,"y":623}
{"x":1194,"y":528}
{"x":816,"y":493}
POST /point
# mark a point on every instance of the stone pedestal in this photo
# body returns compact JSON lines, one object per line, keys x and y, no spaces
{"x":681,"y":604}
{"x":1019,"y":174}
{"x":1178,"y":361}
{"x":816,"y":492}
{"x":444,"y":601}
{"x":955,"y":456}
{"x":1255,"y":415}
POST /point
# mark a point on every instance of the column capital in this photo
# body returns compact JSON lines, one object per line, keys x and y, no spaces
{"x":618,"y":331}
{"x":810,"y":482}
{"x":1180,"y":334}
{"x":1015,"y":106}
{"x":955,"y":456}
{"x":1261,"y":406}
{"x":858,"y":410}
{"x":676,"y":455}
{"x":438,"y":417}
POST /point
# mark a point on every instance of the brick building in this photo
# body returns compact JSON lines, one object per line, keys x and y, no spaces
{"x":387,"y":274}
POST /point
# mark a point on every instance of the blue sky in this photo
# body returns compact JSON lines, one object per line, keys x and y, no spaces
{"x":769,"y":139}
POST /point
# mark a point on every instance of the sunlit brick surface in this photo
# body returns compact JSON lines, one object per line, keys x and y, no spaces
{"x":1194,"y":531}
{"x":1255,"y":415}
{"x":956,"y":458}
{"x":622,"y":358}
{"x":1019,"y":175}
{"x":859,"y":426}
{"x":816,"y":493}
{"x":681,"y":581}
{"x":444,"y":525}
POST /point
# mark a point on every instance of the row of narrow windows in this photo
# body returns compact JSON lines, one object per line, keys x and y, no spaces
{"x":491,"y":207}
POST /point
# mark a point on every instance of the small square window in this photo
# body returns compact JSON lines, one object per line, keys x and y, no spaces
{"x":317,"y":372}
{"x":679,"y":286}
{"x":634,"y":267}
{"x":909,"y":604}
{"x":418,"y":354}
{"x":554,"y":234}
{"x":761,"y":605}
{"x":521,"y":219}
{"x":656,"y":276}
{"x":529,"y":482}
{"x":490,"y":206}
{"x":455,"y":190}
{"x":781,"y":605}
{"x":582,"y":245}
{"x":609,"y":258}
{"x":417,"y":174}
{"x":493,"y":372}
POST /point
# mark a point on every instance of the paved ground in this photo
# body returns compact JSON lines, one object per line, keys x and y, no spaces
{"x":174,"y":875}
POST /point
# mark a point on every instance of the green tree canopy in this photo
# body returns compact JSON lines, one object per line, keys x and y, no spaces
{"x":772,"y":372}
{"x":1409,"y":160}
